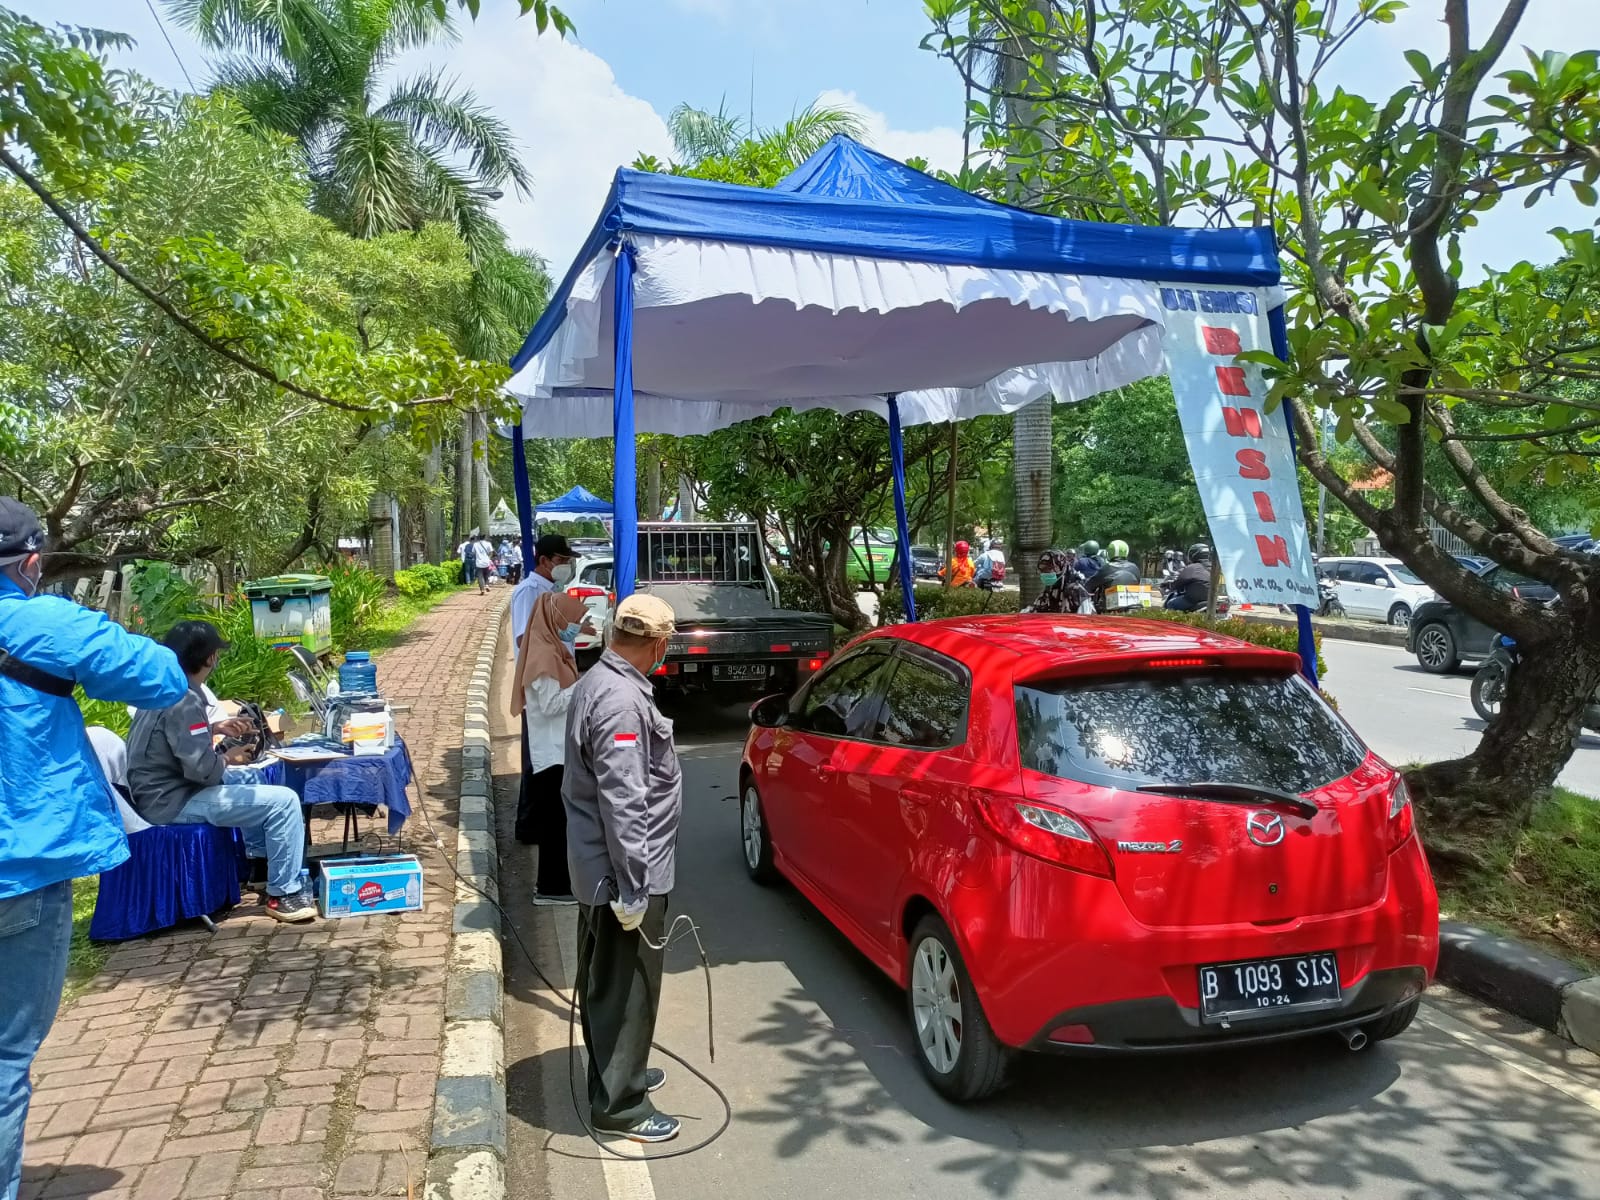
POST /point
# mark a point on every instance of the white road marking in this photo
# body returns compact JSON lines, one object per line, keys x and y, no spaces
{"x":626,"y":1177}
{"x":1437,"y":692}
{"x":1506,"y":1055}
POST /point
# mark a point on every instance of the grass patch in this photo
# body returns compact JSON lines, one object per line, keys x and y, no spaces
{"x":85,"y":958}
{"x":1544,"y":885}
{"x":397,"y":615}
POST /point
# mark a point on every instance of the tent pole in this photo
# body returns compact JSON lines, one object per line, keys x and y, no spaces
{"x":519,"y":473}
{"x":624,"y":496}
{"x":902,"y":530}
{"x":1306,"y":642}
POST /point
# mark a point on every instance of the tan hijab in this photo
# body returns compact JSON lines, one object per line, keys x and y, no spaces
{"x":542,"y":652}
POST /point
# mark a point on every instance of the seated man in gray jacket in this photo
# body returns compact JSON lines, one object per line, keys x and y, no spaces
{"x":177,"y":777}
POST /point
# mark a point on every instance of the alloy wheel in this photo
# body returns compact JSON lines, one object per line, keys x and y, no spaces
{"x":936,"y":1005}
{"x":750,"y":821}
{"x":1400,"y":615}
{"x":1433,"y":648}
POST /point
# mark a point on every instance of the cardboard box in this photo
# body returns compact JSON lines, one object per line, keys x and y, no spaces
{"x":360,"y":887}
{"x":1137,"y":596}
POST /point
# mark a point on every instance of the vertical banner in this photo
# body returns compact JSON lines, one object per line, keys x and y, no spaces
{"x":1242,"y":457}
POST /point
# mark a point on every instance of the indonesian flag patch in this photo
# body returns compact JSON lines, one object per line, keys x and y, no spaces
{"x":626,"y":739}
{"x":201,"y":728}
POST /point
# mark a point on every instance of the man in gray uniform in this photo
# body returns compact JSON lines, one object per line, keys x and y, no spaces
{"x":624,"y":795}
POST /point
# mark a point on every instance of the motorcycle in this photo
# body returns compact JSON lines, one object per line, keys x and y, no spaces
{"x":1328,"y":602}
{"x":1491,"y":680}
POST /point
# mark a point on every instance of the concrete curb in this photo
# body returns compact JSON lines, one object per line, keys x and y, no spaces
{"x":1538,"y":987}
{"x":467,"y":1147}
{"x":1344,"y":631}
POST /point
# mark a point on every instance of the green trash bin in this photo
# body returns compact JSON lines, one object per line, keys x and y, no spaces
{"x":293,"y":610}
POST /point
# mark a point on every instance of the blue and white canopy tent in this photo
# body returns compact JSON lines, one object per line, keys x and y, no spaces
{"x":861,"y":284}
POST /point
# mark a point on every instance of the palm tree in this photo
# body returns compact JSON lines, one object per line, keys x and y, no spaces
{"x":699,"y":134}
{"x":425,"y":150}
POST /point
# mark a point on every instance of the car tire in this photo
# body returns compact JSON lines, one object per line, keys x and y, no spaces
{"x":962,"y":1058}
{"x":1436,"y":649}
{"x":755,"y":841}
{"x":1392,"y":1024}
{"x":1400,"y":615}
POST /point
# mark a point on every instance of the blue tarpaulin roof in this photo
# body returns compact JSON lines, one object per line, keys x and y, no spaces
{"x":847,"y":199}
{"x":580,"y":502}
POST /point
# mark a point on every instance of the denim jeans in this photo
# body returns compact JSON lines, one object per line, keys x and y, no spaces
{"x":35,"y":934}
{"x":272,"y":823}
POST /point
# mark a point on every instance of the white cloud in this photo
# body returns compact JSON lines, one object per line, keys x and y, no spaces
{"x":574,"y":123}
{"x":941,"y":145}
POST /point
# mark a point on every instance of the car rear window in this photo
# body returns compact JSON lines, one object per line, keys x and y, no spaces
{"x":1185,"y":727}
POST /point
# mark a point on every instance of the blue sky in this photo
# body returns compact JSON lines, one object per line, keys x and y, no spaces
{"x":582,"y":108}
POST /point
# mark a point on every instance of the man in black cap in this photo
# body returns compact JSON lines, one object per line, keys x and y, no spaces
{"x":57,"y":817}
{"x":178,"y":777}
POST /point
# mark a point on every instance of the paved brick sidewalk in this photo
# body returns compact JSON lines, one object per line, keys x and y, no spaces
{"x":268,"y":1061}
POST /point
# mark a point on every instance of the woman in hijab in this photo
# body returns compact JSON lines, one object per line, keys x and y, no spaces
{"x":1063,"y":587}
{"x":545,"y":673}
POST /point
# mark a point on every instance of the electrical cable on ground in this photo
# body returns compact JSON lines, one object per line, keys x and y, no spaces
{"x":666,"y":942}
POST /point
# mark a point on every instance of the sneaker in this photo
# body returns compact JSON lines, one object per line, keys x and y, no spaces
{"x":654,"y":1079}
{"x":298,"y":907}
{"x":547,"y":901}
{"x":658,"y":1128}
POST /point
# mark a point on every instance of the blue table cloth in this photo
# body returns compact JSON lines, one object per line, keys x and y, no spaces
{"x":367,"y":780}
{"x":173,"y":873}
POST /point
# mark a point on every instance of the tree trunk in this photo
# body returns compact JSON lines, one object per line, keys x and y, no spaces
{"x":1032,"y":464}
{"x":686,"y":506}
{"x":464,"y":501}
{"x":1524,"y":750}
{"x":480,"y":461}
{"x":652,"y":489}
{"x":1032,"y":448}
{"x":433,"y":512}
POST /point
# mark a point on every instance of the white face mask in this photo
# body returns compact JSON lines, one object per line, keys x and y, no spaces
{"x":562,"y":575}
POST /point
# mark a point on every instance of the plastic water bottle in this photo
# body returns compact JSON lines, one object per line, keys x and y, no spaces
{"x":358,"y":673}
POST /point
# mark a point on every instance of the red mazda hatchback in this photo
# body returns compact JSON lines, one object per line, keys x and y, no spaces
{"x":1089,"y":835}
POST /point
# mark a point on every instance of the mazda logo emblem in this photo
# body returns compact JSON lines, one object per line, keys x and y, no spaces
{"x":1264,"y":828}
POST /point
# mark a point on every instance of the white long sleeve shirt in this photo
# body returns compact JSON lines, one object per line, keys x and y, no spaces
{"x":546,"y":711}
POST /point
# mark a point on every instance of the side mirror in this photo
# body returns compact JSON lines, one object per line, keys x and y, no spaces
{"x":770,"y":712}
{"x":1385,"y":581}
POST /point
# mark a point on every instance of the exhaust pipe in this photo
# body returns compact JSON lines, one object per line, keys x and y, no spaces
{"x":1355,"y":1038}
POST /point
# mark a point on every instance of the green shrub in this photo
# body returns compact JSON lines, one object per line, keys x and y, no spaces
{"x":796,"y":593}
{"x":1258,"y":633}
{"x":354,"y":602}
{"x":935,"y":602}
{"x":159,"y":598}
{"x":439,"y":578}
{"x":412,"y":582}
{"x":451,"y":567}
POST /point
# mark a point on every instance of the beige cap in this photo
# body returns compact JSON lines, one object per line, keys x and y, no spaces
{"x":645,"y":616}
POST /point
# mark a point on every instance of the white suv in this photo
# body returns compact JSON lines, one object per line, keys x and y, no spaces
{"x":1383,"y":589}
{"x":592,"y":583}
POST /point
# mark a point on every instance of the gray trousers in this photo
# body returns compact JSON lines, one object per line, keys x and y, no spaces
{"x":619,"y":992}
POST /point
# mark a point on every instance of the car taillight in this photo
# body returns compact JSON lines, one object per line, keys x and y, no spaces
{"x":585,"y":593}
{"x":1049,"y":833}
{"x":1402,"y":818}
{"x":666,"y":669}
{"x":816,"y":664}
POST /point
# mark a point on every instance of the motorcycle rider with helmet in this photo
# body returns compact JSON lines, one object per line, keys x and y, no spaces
{"x":1117,"y":571}
{"x":1088,"y":560}
{"x":1191,"y":587}
{"x":961,"y":566}
{"x":1063,"y":586}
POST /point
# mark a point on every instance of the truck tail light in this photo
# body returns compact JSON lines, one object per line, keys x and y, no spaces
{"x":815,"y":664}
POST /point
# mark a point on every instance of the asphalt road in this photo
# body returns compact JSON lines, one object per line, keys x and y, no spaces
{"x":814,"y":1055}
{"x":1408,"y":715}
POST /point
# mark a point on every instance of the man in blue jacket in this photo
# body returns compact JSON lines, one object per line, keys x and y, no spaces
{"x":57,"y":818}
